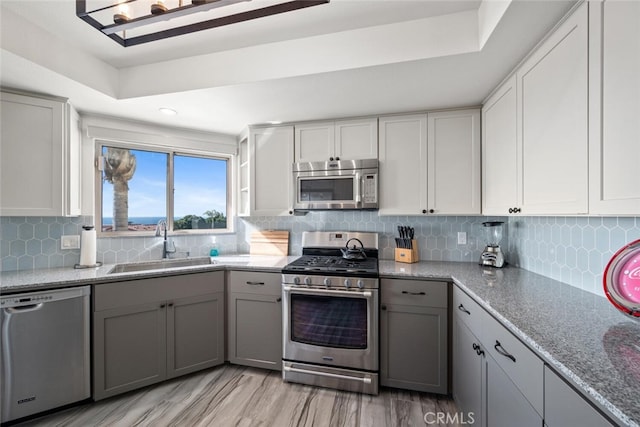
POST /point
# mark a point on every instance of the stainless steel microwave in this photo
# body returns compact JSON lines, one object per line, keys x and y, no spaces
{"x":340,"y":184}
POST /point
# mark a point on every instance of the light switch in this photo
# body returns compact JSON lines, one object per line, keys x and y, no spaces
{"x":70,"y":242}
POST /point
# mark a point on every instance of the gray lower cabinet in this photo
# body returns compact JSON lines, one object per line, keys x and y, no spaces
{"x":469,"y":371}
{"x":506,"y":406}
{"x":254,"y":326}
{"x":149,"y":330}
{"x":497,"y":380}
{"x":563,"y":406}
{"x":414,"y":335}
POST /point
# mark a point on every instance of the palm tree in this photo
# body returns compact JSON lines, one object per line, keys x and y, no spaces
{"x":214,"y":216}
{"x":120,"y":165}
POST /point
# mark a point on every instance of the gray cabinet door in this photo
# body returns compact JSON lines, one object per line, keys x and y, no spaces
{"x":255,"y":330}
{"x":254,"y":319}
{"x":468,"y":373}
{"x":129,"y":348}
{"x":413,"y":348}
{"x":195,"y":333}
{"x":506,"y":406}
{"x":563,"y":406}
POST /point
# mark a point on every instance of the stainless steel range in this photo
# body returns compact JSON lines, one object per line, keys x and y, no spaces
{"x":330,"y":312}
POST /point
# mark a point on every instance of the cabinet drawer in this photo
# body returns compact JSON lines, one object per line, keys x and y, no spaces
{"x":468,"y":311}
{"x":522,"y":366}
{"x":250,"y":282}
{"x":423,"y":293}
{"x":132,"y":292}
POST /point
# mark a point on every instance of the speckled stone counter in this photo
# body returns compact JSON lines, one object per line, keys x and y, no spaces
{"x":33,"y":280}
{"x":581,"y":335}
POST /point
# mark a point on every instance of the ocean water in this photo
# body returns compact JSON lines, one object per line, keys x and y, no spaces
{"x":143,"y":220}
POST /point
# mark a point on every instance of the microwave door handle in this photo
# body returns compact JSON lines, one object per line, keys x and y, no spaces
{"x":358,"y":180}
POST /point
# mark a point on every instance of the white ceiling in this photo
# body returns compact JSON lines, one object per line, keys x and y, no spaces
{"x":342,"y":59}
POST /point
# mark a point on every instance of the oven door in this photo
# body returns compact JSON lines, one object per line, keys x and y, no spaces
{"x":331,"y":327}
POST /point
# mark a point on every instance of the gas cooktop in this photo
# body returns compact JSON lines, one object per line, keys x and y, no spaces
{"x":323,"y":253}
{"x":337,"y":264}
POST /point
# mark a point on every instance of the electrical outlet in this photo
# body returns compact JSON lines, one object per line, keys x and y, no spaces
{"x":462,"y":238}
{"x":70,"y":242}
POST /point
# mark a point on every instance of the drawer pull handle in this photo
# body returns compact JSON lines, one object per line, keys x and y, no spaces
{"x":279,"y":299}
{"x":255,"y":283}
{"x":478,"y":349}
{"x":413,"y":293}
{"x":500,"y":349}
{"x":462,"y":308}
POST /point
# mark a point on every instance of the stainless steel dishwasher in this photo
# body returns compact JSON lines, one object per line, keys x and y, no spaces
{"x":44,"y":350}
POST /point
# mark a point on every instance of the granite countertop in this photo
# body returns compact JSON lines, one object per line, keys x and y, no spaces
{"x":33,"y":280}
{"x":581,"y":335}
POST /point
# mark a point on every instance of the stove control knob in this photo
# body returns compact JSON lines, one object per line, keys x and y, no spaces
{"x":327,"y":282}
{"x":307,"y":280}
{"x":347,"y":283}
{"x":360,"y":283}
{"x":296,"y":280}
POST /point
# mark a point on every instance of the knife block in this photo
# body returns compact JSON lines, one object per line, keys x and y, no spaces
{"x":408,"y":255}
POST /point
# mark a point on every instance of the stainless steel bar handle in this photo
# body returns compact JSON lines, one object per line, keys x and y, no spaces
{"x":366,"y":294}
{"x":359,"y":187}
{"x":24,"y":308}
{"x":255,"y":283}
{"x":366,"y":380}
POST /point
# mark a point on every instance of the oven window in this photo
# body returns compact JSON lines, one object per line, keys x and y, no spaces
{"x":312,"y":190}
{"x":337,"y":322}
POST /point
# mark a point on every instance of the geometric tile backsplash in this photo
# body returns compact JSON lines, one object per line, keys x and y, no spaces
{"x":573,"y":250}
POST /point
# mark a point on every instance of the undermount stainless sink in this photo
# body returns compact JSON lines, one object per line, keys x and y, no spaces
{"x":160,"y":264}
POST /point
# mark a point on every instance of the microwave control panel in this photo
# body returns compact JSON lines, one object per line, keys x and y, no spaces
{"x":370,"y":188}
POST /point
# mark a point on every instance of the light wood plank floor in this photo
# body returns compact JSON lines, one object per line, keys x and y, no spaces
{"x":239,"y":396}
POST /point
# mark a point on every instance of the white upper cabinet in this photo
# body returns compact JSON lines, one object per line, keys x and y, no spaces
{"x":403,"y":165}
{"x":499,"y":151}
{"x":270,"y":176}
{"x":40,"y":157}
{"x":552,"y":123}
{"x":614,"y":107}
{"x":453,"y":164}
{"x":430,"y":163}
{"x":535,"y":130}
{"x":339,"y":140}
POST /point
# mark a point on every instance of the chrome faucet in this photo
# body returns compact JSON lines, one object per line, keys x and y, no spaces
{"x":162,"y":227}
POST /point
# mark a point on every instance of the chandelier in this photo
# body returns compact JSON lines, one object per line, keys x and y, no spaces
{"x":133,"y":22}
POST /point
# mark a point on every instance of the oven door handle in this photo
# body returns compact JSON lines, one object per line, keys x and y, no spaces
{"x":366,"y":380}
{"x":366,"y":294}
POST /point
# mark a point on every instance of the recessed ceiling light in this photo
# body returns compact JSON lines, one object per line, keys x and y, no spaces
{"x":275,"y":122}
{"x":168,"y":111}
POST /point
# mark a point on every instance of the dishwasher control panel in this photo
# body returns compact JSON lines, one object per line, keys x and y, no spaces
{"x":31,"y":298}
{"x":22,"y":300}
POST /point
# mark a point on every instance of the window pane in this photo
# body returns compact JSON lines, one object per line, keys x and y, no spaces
{"x":200,"y":193}
{"x":134,"y":189}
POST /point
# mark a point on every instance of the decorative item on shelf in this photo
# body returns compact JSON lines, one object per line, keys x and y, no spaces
{"x":406,"y":245}
{"x":621,"y":280}
{"x":157,"y":23}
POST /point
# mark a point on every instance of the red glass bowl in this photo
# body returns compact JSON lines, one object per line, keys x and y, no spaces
{"x":622,"y":279}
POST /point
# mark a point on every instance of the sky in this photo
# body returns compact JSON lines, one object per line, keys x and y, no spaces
{"x":200,"y":185}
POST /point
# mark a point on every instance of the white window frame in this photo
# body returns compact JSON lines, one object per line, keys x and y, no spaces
{"x":100,"y":143}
